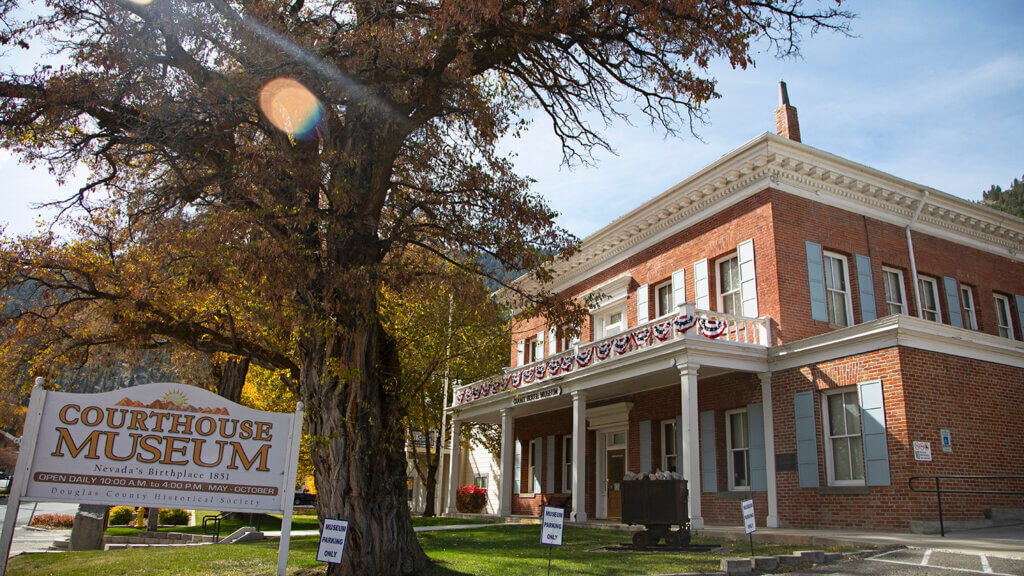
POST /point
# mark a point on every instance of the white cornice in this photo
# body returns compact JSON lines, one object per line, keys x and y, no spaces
{"x":772,"y":161}
{"x":897,"y":330}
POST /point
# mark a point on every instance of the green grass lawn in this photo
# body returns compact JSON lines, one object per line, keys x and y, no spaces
{"x":508,"y":549}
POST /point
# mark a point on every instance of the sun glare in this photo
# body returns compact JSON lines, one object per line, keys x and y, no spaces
{"x":291,"y":107}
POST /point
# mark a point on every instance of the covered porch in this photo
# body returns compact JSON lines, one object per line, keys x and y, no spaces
{"x":628,"y":403}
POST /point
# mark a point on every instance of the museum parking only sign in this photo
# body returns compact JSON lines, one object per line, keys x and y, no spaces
{"x":157,"y":445}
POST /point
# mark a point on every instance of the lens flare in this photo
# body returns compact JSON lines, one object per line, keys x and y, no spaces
{"x":142,"y":2}
{"x":292,"y":108}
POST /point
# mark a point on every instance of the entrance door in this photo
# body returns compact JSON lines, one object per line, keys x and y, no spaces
{"x":616,"y":467}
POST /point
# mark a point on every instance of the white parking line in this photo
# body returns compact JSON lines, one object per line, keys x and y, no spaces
{"x":927,"y":554}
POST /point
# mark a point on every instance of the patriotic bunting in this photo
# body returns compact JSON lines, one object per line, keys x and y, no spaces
{"x":555,"y":366}
{"x":584,"y":358}
{"x":604,"y":350}
{"x":663,"y":330}
{"x":684,"y":322}
{"x":712,"y":327}
{"x":566,"y":363}
{"x":527,"y":375}
{"x":642,"y":337}
{"x":623,"y":344}
{"x":541,"y":371}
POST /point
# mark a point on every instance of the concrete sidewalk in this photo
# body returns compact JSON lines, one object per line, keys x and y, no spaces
{"x":1006,"y":541}
{"x":277,"y":533}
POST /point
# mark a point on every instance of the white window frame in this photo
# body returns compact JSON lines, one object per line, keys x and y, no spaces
{"x":735,"y":292}
{"x":830,"y":290}
{"x":967,"y":308}
{"x":902,"y":290}
{"x":601,"y":325}
{"x":922,"y":284}
{"x":658,"y":311}
{"x":730,"y":448}
{"x":668,"y":430}
{"x":530,"y":469}
{"x":478,"y":478}
{"x":829,"y":456}
{"x":567,"y":463}
{"x":1003,"y":304}
{"x":529,"y":350}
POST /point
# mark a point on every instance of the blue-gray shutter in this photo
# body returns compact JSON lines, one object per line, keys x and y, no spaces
{"x":708,"y":462}
{"x":1020,"y":311}
{"x":680,"y":449}
{"x":866,"y":285}
{"x":953,"y":302}
{"x":551,"y":465}
{"x":816,"y":279}
{"x":645,"y":446}
{"x":538,"y":461}
{"x":755,"y":431}
{"x":519,"y":466}
{"x":872,"y":421}
{"x":806,"y":439}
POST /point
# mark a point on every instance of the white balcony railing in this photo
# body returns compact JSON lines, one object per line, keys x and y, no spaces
{"x":687,"y":323}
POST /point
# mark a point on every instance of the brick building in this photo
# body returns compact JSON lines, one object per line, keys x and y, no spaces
{"x":784,"y":325}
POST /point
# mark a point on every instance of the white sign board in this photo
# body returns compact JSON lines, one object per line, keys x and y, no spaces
{"x":923,"y":451}
{"x":157,"y":445}
{"x":749,"y":524}
{"x":332,"y":541}
{"x":947,"y":442}
{"x":553,"y":524}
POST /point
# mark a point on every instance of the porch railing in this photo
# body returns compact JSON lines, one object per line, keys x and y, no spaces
{"x":688,"y":322}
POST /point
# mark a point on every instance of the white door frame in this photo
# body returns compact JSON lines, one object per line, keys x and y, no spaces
{"x":603,"y":446}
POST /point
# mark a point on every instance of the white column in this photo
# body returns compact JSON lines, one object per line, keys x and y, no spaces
{"x":507,"y":465}
{"x":691,"y":440}
{"x":769,"y":449}
{"x":579,"y":456}
{"x":453,"y":466}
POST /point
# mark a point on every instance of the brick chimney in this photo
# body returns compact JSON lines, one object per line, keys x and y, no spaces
{"x":786,"y":124}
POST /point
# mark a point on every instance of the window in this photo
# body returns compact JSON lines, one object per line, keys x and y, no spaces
{"x":967,"y":307}
{"x":729,"y":301}
{"x":668,"y":446}
{"x":532,"y":472}
{"x":1003,"y":316}
{"x":480,"y":481}
{"x":663,"y":299}
{"x":738,"y":443}
{"x":609,"y":323}
{"x":837,"y":290}
{"x":844,"y":447}
{"x":567,"y":463}
{"x":929,"y":298}
{"x":530,"y":351}
{"x":895,"y":293}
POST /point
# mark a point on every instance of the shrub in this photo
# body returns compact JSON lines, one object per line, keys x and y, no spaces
{"x":53,"y":520}
{"x":470,"y":499}
{"x":173,"y":517}
{"x":121,"y":515}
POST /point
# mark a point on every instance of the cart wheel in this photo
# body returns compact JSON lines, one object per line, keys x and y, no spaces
{"x":684,"y":536}
{"x":673,"y":540}
{"x":641,"y":539}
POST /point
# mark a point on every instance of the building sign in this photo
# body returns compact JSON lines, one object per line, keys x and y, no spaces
{"x":158,"y":445}
{"x":534,"y":396}
{"x":749,"y":524}
{"x":332,"y":541}
{"x":553,"y":524}
{"x":947,"y":442}
{"x":923,"y":451}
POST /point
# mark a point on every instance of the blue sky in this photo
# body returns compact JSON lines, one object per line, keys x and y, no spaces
{"x":929,"y":91}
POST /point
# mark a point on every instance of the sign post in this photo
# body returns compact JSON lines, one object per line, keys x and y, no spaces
{"x":157,"y":445}
{"x":749,"y":524}
{"x":332,"y":541}
{"x":552,"y":526}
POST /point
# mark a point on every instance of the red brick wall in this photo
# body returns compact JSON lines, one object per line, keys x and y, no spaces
{"x":923,"y":391}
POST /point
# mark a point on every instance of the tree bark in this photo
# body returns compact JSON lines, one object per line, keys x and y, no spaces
{"x":348,"y":382}
{"x":231,"y":378}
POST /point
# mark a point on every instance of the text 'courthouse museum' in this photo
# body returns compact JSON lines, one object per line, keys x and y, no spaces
{"x":785,"y":325}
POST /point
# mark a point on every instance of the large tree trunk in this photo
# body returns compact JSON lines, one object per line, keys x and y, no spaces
{"x":231,"y":378}
{"x":349,"y":382}
{"x":430,"y":487}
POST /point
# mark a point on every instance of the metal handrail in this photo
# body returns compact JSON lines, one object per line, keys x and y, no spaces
{"x":938,"y":491}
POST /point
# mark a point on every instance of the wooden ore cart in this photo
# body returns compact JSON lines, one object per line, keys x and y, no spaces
{"x":659,"y":505}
